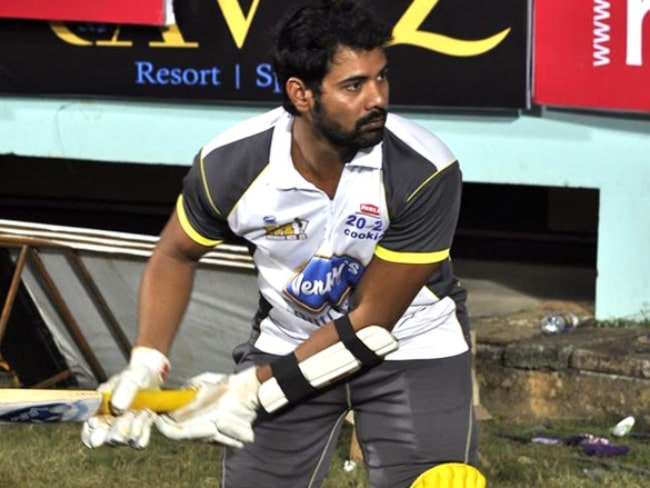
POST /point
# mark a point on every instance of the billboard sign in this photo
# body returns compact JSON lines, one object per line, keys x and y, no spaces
{"x":445,"y":53}
{"x":592,"y":54}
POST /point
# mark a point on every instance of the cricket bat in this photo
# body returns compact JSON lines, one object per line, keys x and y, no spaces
{"x":37,"y":406}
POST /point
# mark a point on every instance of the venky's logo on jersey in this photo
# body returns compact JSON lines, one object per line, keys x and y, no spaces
{"x":292,"y":231}
{"x":324,"y":281}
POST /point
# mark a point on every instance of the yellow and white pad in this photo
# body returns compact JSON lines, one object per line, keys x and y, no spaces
{"x":451,"y":475}
{"x":329,"y":365}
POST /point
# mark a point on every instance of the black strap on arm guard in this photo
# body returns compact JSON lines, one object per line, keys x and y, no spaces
{"x":290,"y":379}
{"x":359,"y":350}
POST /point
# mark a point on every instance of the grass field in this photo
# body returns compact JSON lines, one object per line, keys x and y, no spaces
{"x":52,"y":455}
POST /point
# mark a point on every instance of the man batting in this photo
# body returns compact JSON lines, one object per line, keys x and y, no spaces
{"x":349,"y":212}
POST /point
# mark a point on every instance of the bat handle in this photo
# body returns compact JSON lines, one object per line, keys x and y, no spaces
{"x":160,"y":401}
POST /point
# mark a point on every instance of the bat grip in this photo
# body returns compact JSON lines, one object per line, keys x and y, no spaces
{"x":160,"y":401}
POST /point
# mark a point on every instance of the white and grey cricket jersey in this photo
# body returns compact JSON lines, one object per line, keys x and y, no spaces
{"x":398,"y":200}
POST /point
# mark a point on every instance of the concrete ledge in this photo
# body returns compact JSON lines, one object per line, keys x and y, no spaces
{"x":628,"y":357}
{"x":591,"y":372}
{"x":569,"y":350}
{"x":518,"y":393}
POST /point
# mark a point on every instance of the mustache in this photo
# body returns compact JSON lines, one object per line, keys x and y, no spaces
{"x":377,"y":114}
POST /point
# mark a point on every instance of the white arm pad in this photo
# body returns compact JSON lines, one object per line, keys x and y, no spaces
{"x":329,"y":364}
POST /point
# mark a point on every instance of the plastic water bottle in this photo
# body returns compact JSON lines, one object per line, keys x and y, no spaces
{"x":624,"y":427}
{"x":556,"y":323}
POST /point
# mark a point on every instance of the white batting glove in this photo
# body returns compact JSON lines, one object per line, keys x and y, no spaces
{"x":146,"y":371}
{"x":224,"y":410}
{"x":131,"y":429}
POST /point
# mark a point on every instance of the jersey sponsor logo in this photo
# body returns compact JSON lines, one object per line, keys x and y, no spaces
{"x":369,"y":209}
{"x":324,"y":282}
{"x":363,"y":226}
{"x":292,"y":231}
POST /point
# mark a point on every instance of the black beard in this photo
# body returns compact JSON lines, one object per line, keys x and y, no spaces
{"x":348,"y":141}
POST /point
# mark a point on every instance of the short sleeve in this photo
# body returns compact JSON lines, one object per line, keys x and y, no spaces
{"x":423,"y":228}
{"x":200,"y":218}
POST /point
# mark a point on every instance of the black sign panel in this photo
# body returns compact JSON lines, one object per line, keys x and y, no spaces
{"x":446,"y":53}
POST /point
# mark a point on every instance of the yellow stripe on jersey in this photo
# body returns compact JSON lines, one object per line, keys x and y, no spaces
{"x":411,"y":257}
{"x":205,"y":185}
{"x":189,"y":230}
{"x":424,"y":183}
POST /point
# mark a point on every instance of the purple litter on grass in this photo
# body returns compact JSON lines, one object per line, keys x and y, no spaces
{"x":591,"y":444}
{"x":605,"y":450}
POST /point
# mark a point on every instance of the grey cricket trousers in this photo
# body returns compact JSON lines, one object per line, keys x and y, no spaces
{"x":409,"y":417}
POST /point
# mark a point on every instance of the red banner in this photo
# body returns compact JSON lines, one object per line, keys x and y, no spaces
{"x":144,"y":12}
{"x":590,"y":54}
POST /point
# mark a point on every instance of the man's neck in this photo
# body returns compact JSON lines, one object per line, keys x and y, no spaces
{"x":315,"y":158}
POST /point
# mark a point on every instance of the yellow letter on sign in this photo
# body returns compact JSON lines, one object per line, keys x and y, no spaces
{"x":66,"y":35}
{"x":173,"y":37}
{"x":237,"y":22}
{"x":406,"y":32}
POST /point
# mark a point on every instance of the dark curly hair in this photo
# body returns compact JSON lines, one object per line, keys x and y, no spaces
{"x":307,"y":40}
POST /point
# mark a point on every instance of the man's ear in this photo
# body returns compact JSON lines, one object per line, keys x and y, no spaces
{"x":299,"y":94}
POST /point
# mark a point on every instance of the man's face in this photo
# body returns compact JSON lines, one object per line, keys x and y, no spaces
{"x":350,"y":110}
